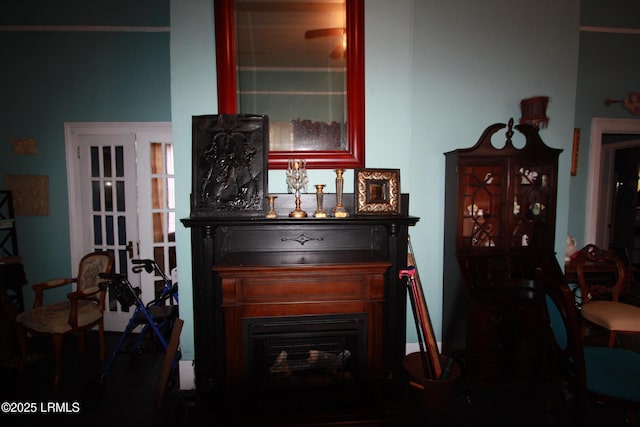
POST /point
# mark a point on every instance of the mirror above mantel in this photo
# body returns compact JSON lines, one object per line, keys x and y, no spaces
{"x":301,"y":63}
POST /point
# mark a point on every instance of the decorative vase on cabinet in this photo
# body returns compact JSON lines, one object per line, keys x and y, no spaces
{"x":500,"y":209}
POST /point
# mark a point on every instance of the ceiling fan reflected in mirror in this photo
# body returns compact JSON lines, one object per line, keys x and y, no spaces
{"x":340,"y":50}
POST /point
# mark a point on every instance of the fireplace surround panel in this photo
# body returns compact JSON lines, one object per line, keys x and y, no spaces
{"x":287,"y":284}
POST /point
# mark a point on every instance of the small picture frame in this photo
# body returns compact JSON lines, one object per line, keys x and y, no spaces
{"x":377,"y":191}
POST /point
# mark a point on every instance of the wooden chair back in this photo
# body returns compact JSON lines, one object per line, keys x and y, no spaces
{"x":601,"y":274}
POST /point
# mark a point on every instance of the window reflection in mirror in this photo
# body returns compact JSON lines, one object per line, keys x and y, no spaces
{"x":309,"y":83}
{"x":291,"y":64}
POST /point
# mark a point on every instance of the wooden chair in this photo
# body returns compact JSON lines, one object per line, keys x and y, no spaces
{"x":609,"y":375}
{"x":601,"y":276}
{"x":170,"y":359}
{"x":82,"y":310}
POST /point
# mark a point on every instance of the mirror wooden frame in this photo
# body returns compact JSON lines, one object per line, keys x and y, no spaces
{"x":353,"y":156}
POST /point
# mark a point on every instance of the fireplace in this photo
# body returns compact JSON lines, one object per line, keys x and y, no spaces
{"x":253,"y":276}
{"x":299,"y":352}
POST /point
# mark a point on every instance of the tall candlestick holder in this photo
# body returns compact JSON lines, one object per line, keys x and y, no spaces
{"x":320,"y":212}
{"x":339,"y":211}
{"x":296,"y":181}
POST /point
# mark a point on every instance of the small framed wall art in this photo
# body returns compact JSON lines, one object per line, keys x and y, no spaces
{"x":377,"y":191}
{"x":574,"y":152}
{"x":30,"y":194}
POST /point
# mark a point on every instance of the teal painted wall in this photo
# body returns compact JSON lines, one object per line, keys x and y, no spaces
{"x":49,"y":78}
{"x":437,"y":74}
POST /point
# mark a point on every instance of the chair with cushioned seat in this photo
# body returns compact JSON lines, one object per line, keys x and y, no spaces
{"x":601,"y":277}
{"x":609,"y":375}
{"x":82,"y":310}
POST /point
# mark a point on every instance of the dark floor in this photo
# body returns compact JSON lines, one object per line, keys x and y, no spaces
{"x":126,"y":397}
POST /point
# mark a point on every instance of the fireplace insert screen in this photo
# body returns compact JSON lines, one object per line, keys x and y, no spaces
{"x":305,"y":351}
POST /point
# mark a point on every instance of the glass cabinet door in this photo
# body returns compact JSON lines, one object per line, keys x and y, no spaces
{"x":481,"y":192}
{"x":533,"y":205}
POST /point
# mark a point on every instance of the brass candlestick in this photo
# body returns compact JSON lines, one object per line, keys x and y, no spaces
{"x":297,"y":180}
{"x":339,"y":211}
{"x":272,"y":207}
{"x":320,"y":213}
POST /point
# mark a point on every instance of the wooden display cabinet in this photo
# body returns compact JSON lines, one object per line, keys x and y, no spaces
{"x":500,"y":210}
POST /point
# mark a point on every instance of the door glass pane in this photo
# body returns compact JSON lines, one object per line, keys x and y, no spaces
{"x":158,"y":255}
{"x":123,"y":260}
{"x":122,"y":230}
{"x":95,"y":162}
{"x":156,"y":158}
{"x":97,"y":230}
{"x":108,"y":196}
{"x":171,"y":198}
{"x":120,"y":196}
{"x":169,"y":159}
{"x":158,"y":229}
{"x":119,"y":161}
{"x":172,"y":258}
{"x":95,"y":195}
{"x":156,"y":193}
{"x":109,"y":229}
{"x":106,"y":152}
{"x":172,"y":232}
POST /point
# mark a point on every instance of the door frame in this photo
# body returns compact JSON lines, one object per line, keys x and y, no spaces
{"x":607,"y":222}
{"x":600,"y":175}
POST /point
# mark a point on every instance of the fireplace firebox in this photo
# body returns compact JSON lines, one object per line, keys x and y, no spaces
{"x":298,"y":352}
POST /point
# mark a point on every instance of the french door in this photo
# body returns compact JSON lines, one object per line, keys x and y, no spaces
{"x":120,"y":180}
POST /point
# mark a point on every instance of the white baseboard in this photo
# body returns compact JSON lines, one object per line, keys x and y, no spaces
{"x":187,"y":375}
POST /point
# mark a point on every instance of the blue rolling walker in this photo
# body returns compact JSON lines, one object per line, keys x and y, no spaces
{"x":154,"y":316}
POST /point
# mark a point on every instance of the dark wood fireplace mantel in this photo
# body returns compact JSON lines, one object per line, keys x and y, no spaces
{"x":372,"y":247}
